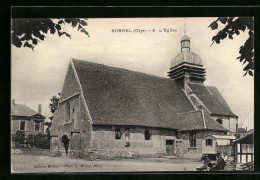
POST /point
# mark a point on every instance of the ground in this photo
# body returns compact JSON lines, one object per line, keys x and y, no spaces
{"x":38,"y":163}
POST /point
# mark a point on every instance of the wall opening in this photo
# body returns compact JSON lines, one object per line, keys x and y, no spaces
{"x":147,"y":135}
{"x":65,"y":141}
{"x":192,"y":139}
{"x":220,"y":121}
{"x":67,"y":113}
{"x":169,"y":147}
{"x":117,"y":134}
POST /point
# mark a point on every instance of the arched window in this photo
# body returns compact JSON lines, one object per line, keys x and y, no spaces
{"x":67,"y":114}
{"x":220,"y":121}
{"x":147,"y":135}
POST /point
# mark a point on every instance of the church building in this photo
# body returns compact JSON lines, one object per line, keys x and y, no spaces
{"x":106,"y":112}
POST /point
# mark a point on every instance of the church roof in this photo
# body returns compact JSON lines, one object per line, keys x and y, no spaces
{"x":198,"y":120}
{"x":212,"y":99}
{"x":22,"y":110}
{"x":116,"y":96}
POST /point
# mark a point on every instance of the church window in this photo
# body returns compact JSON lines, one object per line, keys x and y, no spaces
{"x":147,"y":135}
{"x":220,"y":121}
{"x":192,"y":139}
{"x":73,"y":114}
{"x":117,"y":134}
{"x":208,"y":142}
{"x":67,"y":114}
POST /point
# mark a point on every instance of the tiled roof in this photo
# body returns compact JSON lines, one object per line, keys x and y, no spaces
{"x":212,"y":99}
{"x":118,"y":96}
{"x":198,"y":120}
{"x":22,"y":110}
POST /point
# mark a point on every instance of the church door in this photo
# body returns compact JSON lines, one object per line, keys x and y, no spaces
{"x":169,"y":147}
{"x":65,"y":140}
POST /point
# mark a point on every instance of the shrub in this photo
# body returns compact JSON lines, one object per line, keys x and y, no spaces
{"x":42,"y":141}
{"x":30,"y":140}
{"x":19,"y":139}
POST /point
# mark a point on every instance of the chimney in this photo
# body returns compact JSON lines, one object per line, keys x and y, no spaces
{"x":40,"y":109}
{"x":13,"y":102}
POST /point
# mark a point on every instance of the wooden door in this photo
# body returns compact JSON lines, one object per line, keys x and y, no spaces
{"x":169,"y":147}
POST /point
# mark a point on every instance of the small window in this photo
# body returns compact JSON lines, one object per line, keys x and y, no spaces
{"x":117,"y":134}
{"x":220,"y":121}
{"x":192,"y":139}
{"x":36,"y":126}
{"x":208,"y":142}
{"x":147,"y":135}
{"x":22,"y":125}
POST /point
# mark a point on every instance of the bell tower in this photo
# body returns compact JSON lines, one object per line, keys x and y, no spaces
{"x":187,"y":66}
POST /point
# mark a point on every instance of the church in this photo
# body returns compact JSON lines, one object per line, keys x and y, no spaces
{"x":107,"y":113}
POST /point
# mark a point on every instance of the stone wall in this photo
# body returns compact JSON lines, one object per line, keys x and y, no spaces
{"x":229,"y":123}
{"x":108,"y":147}
{"x":78,"y":129}
{"x":194,"y":152}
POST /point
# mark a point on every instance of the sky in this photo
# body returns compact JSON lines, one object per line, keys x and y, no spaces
{"x":38,"y":75}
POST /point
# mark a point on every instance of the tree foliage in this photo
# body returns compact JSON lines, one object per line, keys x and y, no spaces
{"x":29,"y":32}
{"x":234,"y":26}
{"x":54,"y":104}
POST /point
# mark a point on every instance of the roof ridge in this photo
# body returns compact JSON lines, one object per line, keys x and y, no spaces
{"x":156,"y":76}
{"x":203,"y":118}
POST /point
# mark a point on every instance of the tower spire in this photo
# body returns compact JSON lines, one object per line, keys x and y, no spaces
{"x":184,"y":28}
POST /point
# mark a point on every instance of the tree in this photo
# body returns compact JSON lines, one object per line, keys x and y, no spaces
{"x":234,"y":26}
{"x":54,"y":104}
{"x":241,"y":123}
{"x":28,"y":32}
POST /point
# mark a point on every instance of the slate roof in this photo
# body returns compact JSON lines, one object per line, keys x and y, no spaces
{"x":198,"y":120}
{"x":212,"y":99}
{"x":22,"y":110}
{"x":118,"y":96}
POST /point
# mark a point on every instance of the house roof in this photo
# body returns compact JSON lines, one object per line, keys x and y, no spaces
{"x":248,"y":139}
{"x":22,"y":110}
{"x":224,"y":137}
{"x":118,"y":96}
{"x":198,"y":120}
{"x":212,"y":99}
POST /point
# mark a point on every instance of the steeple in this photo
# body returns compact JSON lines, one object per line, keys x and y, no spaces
{"x":187,"y":66}
{"x":185,"y":41}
